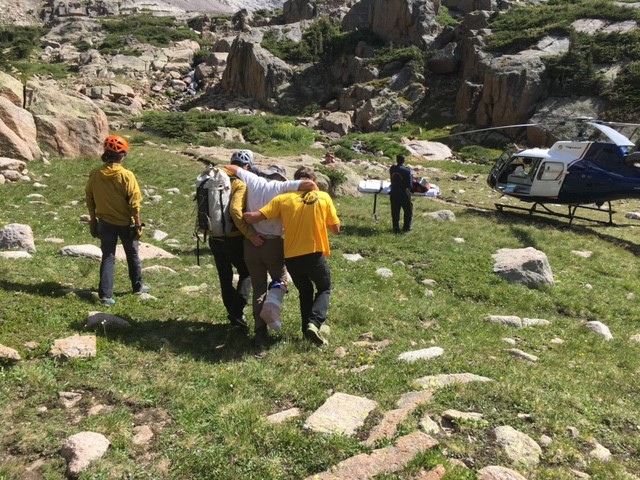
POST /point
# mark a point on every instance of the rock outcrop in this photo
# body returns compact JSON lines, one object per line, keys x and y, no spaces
{"x":398,"y":22}
{"x":252,"y":71}
{"x":69,"y":123}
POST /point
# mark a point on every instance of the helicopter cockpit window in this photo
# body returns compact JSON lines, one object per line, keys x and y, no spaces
{"x":551,"y":171}
{"x":632,"y":159}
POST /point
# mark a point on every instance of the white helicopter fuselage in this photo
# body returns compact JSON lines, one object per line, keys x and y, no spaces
{"x":570,"y":172}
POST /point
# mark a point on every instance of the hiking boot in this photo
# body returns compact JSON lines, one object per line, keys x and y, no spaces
{"x":238,"y":322}
{"x":313,"y":335}
{"x":262,"y":339}
{"x":107,"y":302}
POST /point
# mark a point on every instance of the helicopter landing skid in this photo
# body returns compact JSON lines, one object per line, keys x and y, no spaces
{"x":571,"y":215}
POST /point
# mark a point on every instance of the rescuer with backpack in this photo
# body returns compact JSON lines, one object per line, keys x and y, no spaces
{"x":113,"y":199}
{"x":228,"y":250}
{"x":400,"y":195}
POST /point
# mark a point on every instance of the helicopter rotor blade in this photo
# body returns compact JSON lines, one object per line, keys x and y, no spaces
{"x":503,"y":127}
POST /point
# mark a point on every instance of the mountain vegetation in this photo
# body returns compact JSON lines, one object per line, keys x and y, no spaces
{"x":181,"y":394}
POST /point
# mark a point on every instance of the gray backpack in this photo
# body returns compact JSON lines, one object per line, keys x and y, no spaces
{"x":213,"y":195}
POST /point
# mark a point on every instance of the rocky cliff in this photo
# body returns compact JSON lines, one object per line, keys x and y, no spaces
{"x":354,"y":88}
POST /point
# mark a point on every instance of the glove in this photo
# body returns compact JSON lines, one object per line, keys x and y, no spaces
{"x":93,"y":228}
{"x":136,"y":231}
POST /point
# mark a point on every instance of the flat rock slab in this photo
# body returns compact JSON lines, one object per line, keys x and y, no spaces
{"x":341,"y":413}
{"x":146,"y":252}
{"x":284,"y":415}
{"x":82,"y":251}
{"x":444,"y":379}
{"x":495,"y":472}
{"x":76,"y":346}
{"x":382,"y":461}
{"x":15,"y":255}
{"x":424,"y":354}
{"x":517,"y":353}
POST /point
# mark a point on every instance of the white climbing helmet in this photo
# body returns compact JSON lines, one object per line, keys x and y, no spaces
{"x":242,"y":157}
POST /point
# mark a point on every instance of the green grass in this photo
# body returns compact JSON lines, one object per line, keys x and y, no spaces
{"x":149,"y":29}
{"x":196,"y":382}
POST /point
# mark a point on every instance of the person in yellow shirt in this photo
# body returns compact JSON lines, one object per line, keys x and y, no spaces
{"x":305,"y":217}
{"x":113,"y":198}
{"x":228,"y":251}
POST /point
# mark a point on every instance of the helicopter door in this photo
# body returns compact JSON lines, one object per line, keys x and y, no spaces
{"x":548,"y":180}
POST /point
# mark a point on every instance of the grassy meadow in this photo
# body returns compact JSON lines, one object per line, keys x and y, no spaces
{"x":197,"y":382}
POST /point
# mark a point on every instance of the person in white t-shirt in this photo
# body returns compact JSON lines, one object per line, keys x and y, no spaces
{"x":264,"y":254}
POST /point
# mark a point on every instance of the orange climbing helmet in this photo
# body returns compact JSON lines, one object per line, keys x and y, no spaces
{"x":116,"y":144}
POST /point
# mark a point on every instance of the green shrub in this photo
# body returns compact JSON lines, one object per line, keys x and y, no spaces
{"x":336,"y":177}
{"x":18,"y":43}
{"x":200,"y":56}
{"x":322,"y":41}
{"x":156,"y":31}
{"x":194,"y":126}
{"x":444,"y":18}
{"x":574,"y":73}
{"x":624,"y":94}
{"x":390,"y":54}
{"x":523,"y":27}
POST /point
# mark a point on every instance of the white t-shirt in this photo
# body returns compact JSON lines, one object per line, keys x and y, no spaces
{"x":260,"y":191}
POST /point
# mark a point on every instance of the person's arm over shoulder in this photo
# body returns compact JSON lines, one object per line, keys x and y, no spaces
{"x":272,"y":209}
{"x":307,"y":185}
{"x":245,"y":175}
{"x":231,"y":170}
{"x":236,"y":207}
{"x":285,"y":187}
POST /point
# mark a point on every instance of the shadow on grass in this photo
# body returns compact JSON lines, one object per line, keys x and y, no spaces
{"x":44,"y":289}
{"x":360,"y":230}
{"x":208,"y":342}
{"x":525,"y":219}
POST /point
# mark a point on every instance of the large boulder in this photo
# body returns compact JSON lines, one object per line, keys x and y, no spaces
{"x":11,"y":89}
{"x":253,"y":72}
{"x":527,"y":266}
{"x":69,"y":123}
{"x":16,"y":236}
{"x":400,"y":22}
{"x":12,"y":145}
{"x":296,"y":10}
{"x":21,"y":122}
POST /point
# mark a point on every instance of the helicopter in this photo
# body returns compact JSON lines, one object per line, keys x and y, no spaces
{"x":584,"y":173}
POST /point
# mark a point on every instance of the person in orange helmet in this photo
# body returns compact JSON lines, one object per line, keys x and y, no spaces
{"x":113,"y":198}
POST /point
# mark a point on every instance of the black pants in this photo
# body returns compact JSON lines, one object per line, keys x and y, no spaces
{"x":228,"y":252}
{"x":401,"y":200}
{"x":109,"y":235}
{"x":307,"y":271}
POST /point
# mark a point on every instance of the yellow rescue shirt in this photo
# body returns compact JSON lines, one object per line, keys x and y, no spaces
{"x":305,"y":216}
{"x":112,"y":192}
